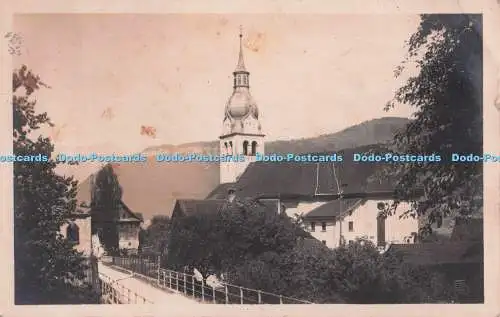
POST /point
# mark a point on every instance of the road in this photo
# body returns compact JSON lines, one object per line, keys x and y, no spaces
{"x":142,"y":288}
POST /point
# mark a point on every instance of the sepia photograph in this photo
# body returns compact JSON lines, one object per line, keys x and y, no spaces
{"x":247,"y":159}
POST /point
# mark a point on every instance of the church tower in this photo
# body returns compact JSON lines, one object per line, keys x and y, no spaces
{"x":242,"y":132}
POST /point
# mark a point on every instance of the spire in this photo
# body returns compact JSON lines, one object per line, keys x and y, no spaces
{"x":241,"y":62}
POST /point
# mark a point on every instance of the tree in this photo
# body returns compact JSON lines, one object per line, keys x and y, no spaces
{"x":106,"y":199}
{"x":45,"y":262}
{"x":259,"y":249}
{"x":447,"y":97}
{"x":218,"y":241}
{"x":155,"y":237}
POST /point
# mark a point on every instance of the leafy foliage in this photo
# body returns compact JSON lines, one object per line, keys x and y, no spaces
{"x":155,"y":237}
{"x":45,"y":262}
{"x":240,"y":231}
{"x":106,"y":198}
{"x":447,"y":97}
{"x":256,"y":248}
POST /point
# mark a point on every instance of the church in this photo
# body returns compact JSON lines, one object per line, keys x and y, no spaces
{"x":311,"y":191}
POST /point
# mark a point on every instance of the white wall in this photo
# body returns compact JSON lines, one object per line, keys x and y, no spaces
{"x":364,"y":220}
{"x":399,"y":230}
{"x":230,"y":171}
{"x":85,"y":243}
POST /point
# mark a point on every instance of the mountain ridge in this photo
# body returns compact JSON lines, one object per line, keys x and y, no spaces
{"x":151,"y":188}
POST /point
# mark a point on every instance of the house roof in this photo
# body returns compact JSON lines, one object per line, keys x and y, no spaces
{"x":188,"y":207}
{"x":438,"y":253}
{"x":310,"y":243}
{"x":132,"y":217}
{"x":467,"y":229}
{"x":309,"y":179}
{"x":332,"y":209}
{"x":220,"y":192}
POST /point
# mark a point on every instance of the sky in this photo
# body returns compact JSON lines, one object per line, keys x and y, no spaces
{"x":111,"y":74}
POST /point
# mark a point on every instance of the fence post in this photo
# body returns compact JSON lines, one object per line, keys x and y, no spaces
{"x":169,"y":279}
{"x":202,"y":290}
{"x":163,"y":278}
{"x":192,"y":283}
{"x":225,"y":290}
{"x":259,"y":297}
{"x":213,"y":295}
{"x":281,"y":299}
{"x":177,"y":281}
{"x":128,"y":296}
{"x":158,"y":270}
{"x":185,"y":284}
{"x":241,"y":296}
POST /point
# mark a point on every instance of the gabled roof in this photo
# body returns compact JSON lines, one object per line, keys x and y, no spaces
{"x":308,"y":179}
{"x":132,"y":216}
{"x":186,"y":207}
{"x":438,"y":253}
{"x":220,"y":192}
{"x":310,"y":243}
{"x":122,"y":207}
{"x":332,"y":209}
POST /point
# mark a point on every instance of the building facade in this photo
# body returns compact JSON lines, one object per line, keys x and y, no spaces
{"x":344,"y":221}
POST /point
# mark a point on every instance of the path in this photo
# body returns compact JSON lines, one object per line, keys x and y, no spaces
{"x":151,"y":293}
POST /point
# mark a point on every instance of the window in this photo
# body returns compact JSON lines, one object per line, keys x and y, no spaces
{"x":324,"y":242}
{"x":73,"y":233}
{"x":313,"y":226}
{"x":323,"y":226}
{"x":245,"y":148}
{"x":254,"y":147}
{"x":351,"y":226}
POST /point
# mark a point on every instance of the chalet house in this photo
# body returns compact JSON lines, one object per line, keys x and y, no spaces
{"x":460,"y":259}
{"x":127,"y":223}
{"x":129,"y":226}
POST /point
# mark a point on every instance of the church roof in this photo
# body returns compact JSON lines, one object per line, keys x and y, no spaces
{"x":186,"y":207}
{"x":309,"y":179}
{"x":220,"y":192}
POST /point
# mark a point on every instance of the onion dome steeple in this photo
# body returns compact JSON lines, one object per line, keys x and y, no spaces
{"x":241,"y":104}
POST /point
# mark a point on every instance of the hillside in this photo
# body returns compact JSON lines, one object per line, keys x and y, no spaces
{"x":368,"y":132}
{"x":151,"y":188}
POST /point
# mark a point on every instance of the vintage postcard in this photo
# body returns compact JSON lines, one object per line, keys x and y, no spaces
{"x":254,"y":158}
